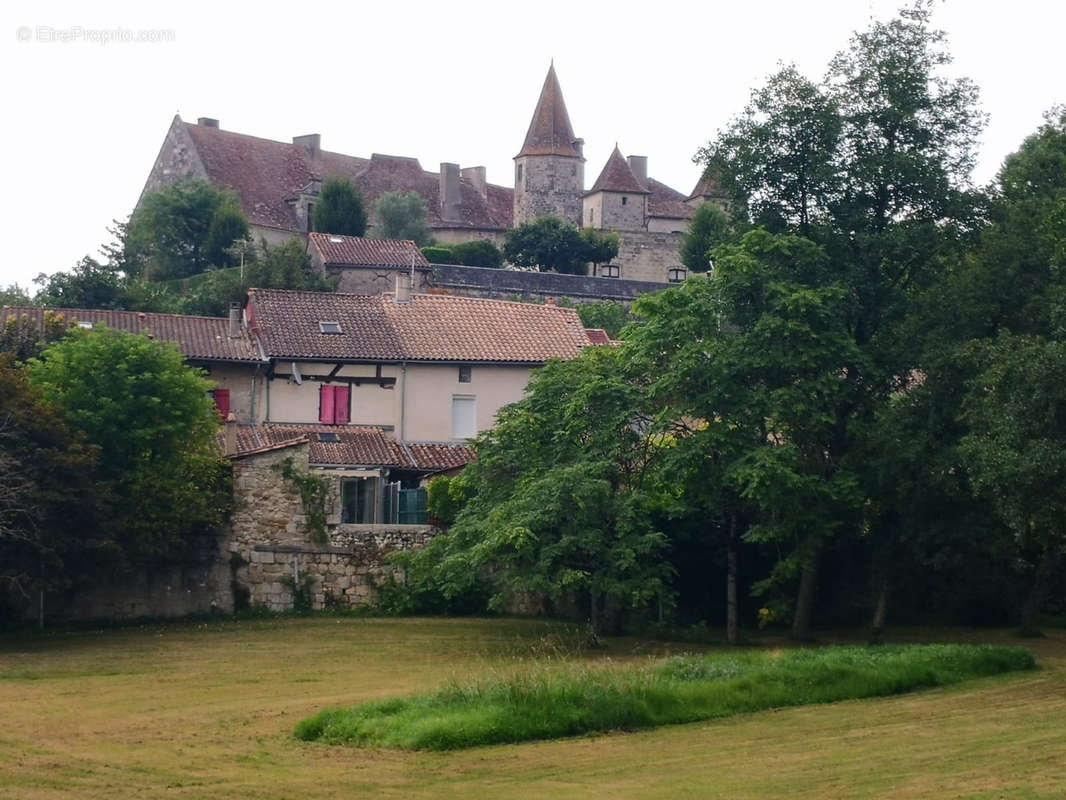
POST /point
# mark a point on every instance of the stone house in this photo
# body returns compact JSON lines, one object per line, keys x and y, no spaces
{"x":278,"y":184}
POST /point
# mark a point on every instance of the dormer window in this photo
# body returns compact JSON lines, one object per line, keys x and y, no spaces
{"x":329,"y":326}
{"x":677,"y":275}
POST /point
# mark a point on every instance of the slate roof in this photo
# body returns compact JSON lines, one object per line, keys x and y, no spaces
{"x":511,"y":281}
{"x":549,"y":131}
{"x":617,"y":176}
{"x":707,"y":186}
{"x":198,"y":338}
{"x":356,"y":447}
{"x":426,"y":328}
{"x":359,"y":251}
{"x":267,"y":175}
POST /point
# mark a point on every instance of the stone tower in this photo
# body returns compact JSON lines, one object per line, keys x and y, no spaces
{"x":550,"y":168}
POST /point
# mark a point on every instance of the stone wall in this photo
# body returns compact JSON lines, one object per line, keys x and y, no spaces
{"x":549,"y":186}
{"x":645,"y":256}
{"x":272,"y":549}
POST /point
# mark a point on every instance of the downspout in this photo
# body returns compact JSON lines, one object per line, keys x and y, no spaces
{"x":403,"y":401}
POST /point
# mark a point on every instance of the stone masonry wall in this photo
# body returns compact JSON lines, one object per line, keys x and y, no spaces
{"x":272,"y":547}
{"x":550,"y":186}
{"x":647,"y":256}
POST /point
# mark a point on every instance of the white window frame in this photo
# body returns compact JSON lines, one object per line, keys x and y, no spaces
{"x":464,"y":428}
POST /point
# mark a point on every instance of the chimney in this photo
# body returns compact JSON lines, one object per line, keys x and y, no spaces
{"x":403,"y":287}
{"x":235,"y":320}
{"x":230,"y":434}
{"x":475,"y":176}
{"x":207,"y":122}
{"x":550,"y":301}
{"x":449,"y":191}
{"x":312,"y":142}
{"x":639,"y":165}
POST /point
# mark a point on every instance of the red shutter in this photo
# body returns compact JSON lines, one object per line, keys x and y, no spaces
{"x":222,"y":402}
{"x":340,"y":405}
{"x":325,"y":404}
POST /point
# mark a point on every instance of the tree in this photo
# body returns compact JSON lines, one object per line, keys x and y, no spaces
{"x":23,"y":339}
{"x":15,"y":295}
{"x":402,"y":215}
{"x":605,"y":314}
{"x":707,"y":229}
{"x":154,"y":424}
{"x":89,"y":284}
{"x":340,"y":209}
{"x":478,"y":253}
{"x":168,"y":235}
{"x":561,"y":487}
{"x":549,"y":244}
{"x":46,"y":481}
{"x":1016,"y":452}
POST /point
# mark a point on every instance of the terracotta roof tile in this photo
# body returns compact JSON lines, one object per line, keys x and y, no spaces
{"x":617,"y":176}
{"x":426,"y":328}
{"x":598,"y":336}
{"x":266,"y":175}
{"x":708,"y":186}
{"x":355,"y":447}
{"x":666,"y":202}
{"x":359,"y":251}
{"x":549,"y":131}
{"x":198,"y":338}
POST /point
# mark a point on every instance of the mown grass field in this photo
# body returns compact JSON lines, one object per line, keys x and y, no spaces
{"x":191,"y":711}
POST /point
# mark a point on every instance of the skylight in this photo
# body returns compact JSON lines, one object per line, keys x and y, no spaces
{"x":329,"y":326}
{"x":337,"y":239}
{"x":328,"y":437}
{"x":85,"y":324}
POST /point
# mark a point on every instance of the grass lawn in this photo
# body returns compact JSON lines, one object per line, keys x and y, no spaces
{"x":191,"y":711}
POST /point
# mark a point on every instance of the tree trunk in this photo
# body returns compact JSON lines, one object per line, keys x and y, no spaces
{"x":877,"y":627}
{"x":801,"y":623}
{"x":1030,"y":612}
{"x":732,"y":629}
{"x":594,"y":620}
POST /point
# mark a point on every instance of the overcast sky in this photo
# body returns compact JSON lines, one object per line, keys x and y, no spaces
{"x":440,"y":81}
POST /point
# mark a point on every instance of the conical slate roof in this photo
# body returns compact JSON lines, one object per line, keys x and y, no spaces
{"x":708,"y":186}
{"x":549,"y":131}
{"x":618,"y":177}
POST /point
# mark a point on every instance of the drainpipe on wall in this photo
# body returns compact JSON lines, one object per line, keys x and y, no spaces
{"x":403,"y":401}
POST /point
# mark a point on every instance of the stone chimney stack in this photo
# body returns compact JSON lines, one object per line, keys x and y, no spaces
{"x":207,"y":122}
{"x":639,"y":165}
{"x":234,"y":320}
{"x":475,"y":176}
{"x":312,"y":142}
{"x":230,"y":433}
{"x":450,"y":199}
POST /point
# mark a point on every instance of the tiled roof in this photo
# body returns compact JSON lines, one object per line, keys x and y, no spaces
{"x":355,"y":447}
{"x":666,"y":202}
{"x":617,"y":176}
{"x":549,"y":131}
{"x":597,"y":336}
{"x":426,"y":328}
{"x":198,"y":338}
{"x":267,"y":174}
{"x":359,"y":251}
{"x":708,"y":186}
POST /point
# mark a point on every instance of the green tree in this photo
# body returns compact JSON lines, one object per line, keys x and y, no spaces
{"x":228,"y":225}
{"x":707,"y":229}
{"x":23,"y":339}
{"x":1015,"y":451}
{"x":46,"y":482}
{"x":547,"y":244}
{"x":154,"y":425}
{"x":15,"y":295}
{"x":402,"y":215}
{"x":478,"y":253}
{"x":439,"y":254}
{"x":562,"y":486}
{"x":89,"y":284}
{"x":605,"y":314}
{"x":168,"y":235}
{"x":340,"y":209}
{"x":598,"y":247}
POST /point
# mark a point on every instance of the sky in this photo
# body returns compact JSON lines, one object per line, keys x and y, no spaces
{"x":90,"y":88}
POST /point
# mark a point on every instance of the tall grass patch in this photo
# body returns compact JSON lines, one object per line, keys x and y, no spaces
{"x":558,"y":703}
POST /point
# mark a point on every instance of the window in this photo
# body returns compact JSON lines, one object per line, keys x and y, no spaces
{"x":518,"y":174}
{"x":677,"y":274}
{"x":608,"y":270}
{"x":624,"y":199}
{"x":591,"y":212}
{"x":329,"y":326}
{"x":359,"y":501}
{"x":464,"y":417}
{"x":221,"y":397}
{"x":328,"y":437}
{"x":333,"y":405}
{"x":310,"y":216}
{"x":465,"y":373}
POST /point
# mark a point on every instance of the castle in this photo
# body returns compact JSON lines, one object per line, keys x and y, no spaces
{"x":279,"y":182}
